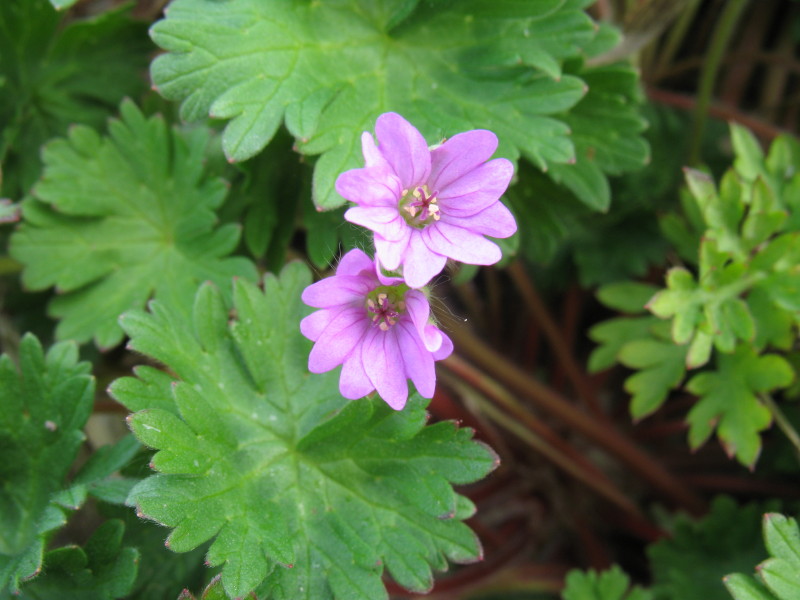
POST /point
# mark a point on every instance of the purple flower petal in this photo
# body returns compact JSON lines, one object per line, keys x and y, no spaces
{"x":384,"y":221}
{"x":446,"y":349}
{"x":496,"y":221}
{"x":338,"y":340}
{"x":353,"y":382}
{"x":420,"y":311}
{"x":418,"y":361}
{"x":315,"y":323}
{"x":404,"y":149}
{"x":383,"y":364}
{"x":372,"y":156}
{"x":459,"y":155}
{"x":390,"y":254}
{"x":334,"y":291}
{"x":460,"y":244}
{"x":477,"y":189}
{"x":420,"y":263}
{"x":371,"y":186}
{"x":354,"y":263}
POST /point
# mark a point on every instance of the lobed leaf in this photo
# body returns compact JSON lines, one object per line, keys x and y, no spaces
{"x":606,"y":130}
{"x":626,"y":296}
{"x":728,"y":401}
{"x":102,"y":570}
{"x":612,"y":584}
{"x":692,"y":562}
{"x":329,"y":69}
{"x":43,"y":407}
{"x":304,"y":494}
{"x":779,"y":576}
{"x":119,"y":219}
{"x":43,"y":69}
{"x":661,"y":365}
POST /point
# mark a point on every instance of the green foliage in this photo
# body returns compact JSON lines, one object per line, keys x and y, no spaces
{"x":46,"y":83}
{"x":606,"y":130}
{"x":119,"y":219}
{"x":778,"y":577}
{"x":690,"y":565}
{"x":329,"y":69}
{"x":43,"y":408}
{"x":161,"y":574}
{"x":743,"y":300}
{"x":213,"y":591}
{"x":102,"y":570}
{"x":728,"y":400}
{"x":304,"y":494}
{"x":558,"y":230}
{"x":612,"y":584}
{"x":638,"y":342}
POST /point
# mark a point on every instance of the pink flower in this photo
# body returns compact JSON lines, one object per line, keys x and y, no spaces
{"x":426,"y":206}
{"x":376,"y":328}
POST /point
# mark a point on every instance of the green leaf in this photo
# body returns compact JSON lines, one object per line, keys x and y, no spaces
{"x":682,"y":300}
{"x":47,"y":85}
{"x":744,"y":587}
{"x":99,"y":474}
{"x":612,"y":584}
{"x":304,"y":494}
{"x":781,"y":573}
{"x":722,"y":211}
{"x":119,"y":219}
{"x":102,"y":570}
{"x":626,"y":296}
{"x":749,"y":155}
{"x":612,"y":335}
{"x":62,"y":4}
{"x":43,"y":408}
{"x":607,"y":128}
{"x":546,"y":215}
{"x":329,"y":69}
{"x":213,"y":591}
{"x":729,"y":401}
{"x":691,"y":563}
{"x":661,"y":365}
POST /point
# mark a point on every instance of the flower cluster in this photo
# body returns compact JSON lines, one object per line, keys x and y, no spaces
{"x":424,"y":205}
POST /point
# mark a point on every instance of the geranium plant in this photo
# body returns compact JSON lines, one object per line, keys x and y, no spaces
{"x":297,"y":301}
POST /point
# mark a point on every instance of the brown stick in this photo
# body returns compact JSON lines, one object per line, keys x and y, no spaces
{"x":603,"y":434}
{"x":533,"y":432}
{"x":555,"y":337}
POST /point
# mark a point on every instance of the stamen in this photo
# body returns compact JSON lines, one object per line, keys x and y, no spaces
{"x":385,"y":307}
{"x":421,"y":206}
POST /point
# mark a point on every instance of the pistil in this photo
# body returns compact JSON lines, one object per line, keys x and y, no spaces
{"x":386,"y":305}
{"x":421,"y":206}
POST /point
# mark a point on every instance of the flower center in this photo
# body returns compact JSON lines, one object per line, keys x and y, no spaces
{"x":385,"y":304}
{"x":419,"y":207}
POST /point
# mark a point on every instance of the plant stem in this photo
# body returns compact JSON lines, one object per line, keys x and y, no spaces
{"x":486,"y":393}
{"x":555,"y":337}
{"x":689,"y":103}
{"x":675,"y":38}
{"x":708,"y":76}
{"x":782,"y":422}
{"x":603,"y":434}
